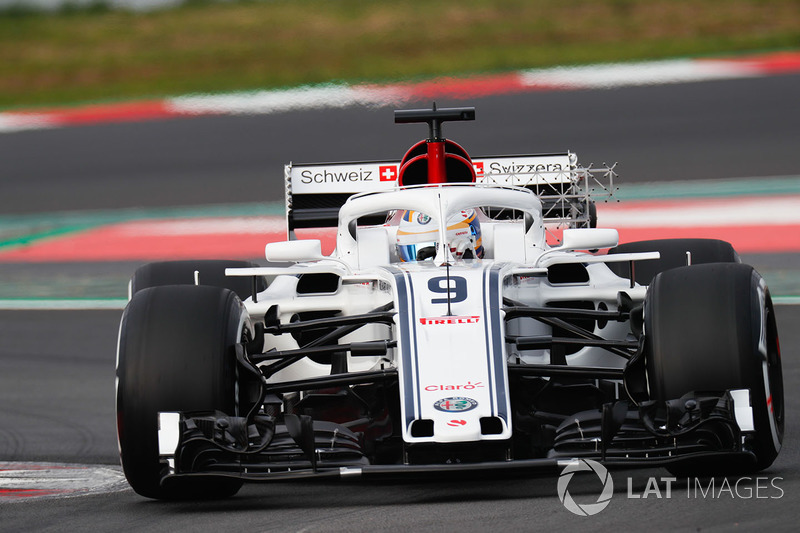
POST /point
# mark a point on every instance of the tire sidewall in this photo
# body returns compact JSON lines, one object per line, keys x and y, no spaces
{"x":766,"y":385}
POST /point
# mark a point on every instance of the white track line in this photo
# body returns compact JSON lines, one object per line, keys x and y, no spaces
{"x":70,"y":304}
{"x":22,"y":481}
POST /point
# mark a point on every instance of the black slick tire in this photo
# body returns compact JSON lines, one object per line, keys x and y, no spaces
{"x":175,"y":353}
{"x":712,"y":328}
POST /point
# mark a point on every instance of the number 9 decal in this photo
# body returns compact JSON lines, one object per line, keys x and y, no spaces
{"x":456,"y":288}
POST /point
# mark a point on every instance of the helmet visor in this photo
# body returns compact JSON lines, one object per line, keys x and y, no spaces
{"x":417,"y":251}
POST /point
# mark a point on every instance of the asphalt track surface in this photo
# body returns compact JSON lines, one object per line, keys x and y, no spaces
{"x":57,"y":368}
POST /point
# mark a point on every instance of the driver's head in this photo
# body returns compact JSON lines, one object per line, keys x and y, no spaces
{"x":417,"y":236}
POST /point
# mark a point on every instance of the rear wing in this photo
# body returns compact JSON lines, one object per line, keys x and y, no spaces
{"x":315,"y":192}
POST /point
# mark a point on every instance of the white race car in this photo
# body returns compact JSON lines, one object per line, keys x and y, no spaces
{"x":464,"y":321}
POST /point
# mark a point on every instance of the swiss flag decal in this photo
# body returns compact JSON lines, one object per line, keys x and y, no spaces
{"x":478,"y":166}
{"x":388,"y":172}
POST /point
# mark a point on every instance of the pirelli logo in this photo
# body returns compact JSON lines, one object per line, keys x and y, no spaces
{"x":433,"y":321}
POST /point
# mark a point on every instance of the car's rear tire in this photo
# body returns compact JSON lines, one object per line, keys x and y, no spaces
{"x":712,"y":328}
{"x":673,"y":255}
{"x":210,"y":272}
{"x":175,"y":353}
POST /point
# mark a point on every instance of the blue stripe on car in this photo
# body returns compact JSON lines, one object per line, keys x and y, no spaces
{"x":487,"y":336}
{"x":497,"y":342}
{"x":410,"y":405}
{"x":413,"y":322}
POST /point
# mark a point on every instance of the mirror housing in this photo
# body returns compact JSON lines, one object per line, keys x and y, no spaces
{"x":588,"y":239}
{"x":294,"y":251}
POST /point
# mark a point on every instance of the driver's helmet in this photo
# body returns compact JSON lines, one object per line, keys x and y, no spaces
{"x":417,"y":236}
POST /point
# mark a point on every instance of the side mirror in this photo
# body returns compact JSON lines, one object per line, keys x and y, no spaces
{"x":588,"y":239}
{"x":294,"y":251}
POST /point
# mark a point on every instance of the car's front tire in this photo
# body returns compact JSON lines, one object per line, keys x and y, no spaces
{"x":712,"y":328}
{"x":175,"y":353}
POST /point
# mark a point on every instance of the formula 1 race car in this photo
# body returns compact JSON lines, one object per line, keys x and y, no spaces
{"x":472,"y":316}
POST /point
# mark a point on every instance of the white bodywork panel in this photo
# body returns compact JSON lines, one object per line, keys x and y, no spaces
{"x":742,"y":409}
{"x":453,"y":363}
{"x":168,"y":433}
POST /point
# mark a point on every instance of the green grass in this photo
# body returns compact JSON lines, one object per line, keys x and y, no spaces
{"x":99,"y":55}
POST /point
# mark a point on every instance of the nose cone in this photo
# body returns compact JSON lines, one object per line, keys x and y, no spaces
{"x":455,"y":427}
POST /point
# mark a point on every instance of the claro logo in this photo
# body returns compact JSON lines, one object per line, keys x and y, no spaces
{"x":450,"y":320}
{"x":467,"y":386}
